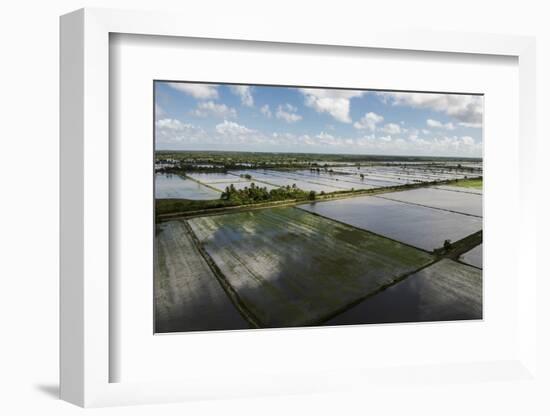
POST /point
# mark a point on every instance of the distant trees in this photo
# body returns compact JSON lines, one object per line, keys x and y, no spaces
{"x":447,"y":245}
{"x":255,"y":194}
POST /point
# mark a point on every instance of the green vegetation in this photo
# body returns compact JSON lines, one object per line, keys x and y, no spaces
{"x":212,"y":161}
{"x":255,"y":194}
{"x":233,"y":197}
{"x":170,"y":206}
{"x":470,"y":183}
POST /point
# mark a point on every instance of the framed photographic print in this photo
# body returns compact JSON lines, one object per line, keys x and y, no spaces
{"x":280,"y":206}
{"x":282,"y":212}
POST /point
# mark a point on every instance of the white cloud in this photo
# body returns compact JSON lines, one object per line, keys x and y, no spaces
{"x":245,"y":93}
{"x":334,"y":102}
{"x":207,"y":108}
{"x":174,"y":134}
{"x":391,"y":128}
{"x":266,"y":111}
{"x":172,"y":131}
{"x":415,"y":145}
{"x":327,"y":139}
{"x":288,"y":113}
{"x":232,"y":129}
{"x":386,"y":144}
{"x":464,"y":108}
{"x":368,"y":121}
{"x":230,"y":135}
{"x":199,"y":91}
{"x":471,"y":125}
{"x":439,"y":125}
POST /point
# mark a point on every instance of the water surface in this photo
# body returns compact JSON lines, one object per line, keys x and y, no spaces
{"x":171,"y":186}
{"x":419,"y":226}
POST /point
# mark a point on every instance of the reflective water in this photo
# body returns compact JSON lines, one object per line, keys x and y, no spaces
{"x":474,"y":256}
{"x":463,"y":202}
{"x":170,"y":186}
{"x":446,"y":290}
{"x":419,"y":226}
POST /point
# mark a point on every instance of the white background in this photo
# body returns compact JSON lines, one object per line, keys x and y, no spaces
{"x":29,"y":252}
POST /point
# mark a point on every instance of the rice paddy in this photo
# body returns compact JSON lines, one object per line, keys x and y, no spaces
{"x":287,"y":265}
{"x":474,"y":257}
{"x":170,"y":186}
{"x":461,"y":202}
{"x":446,"y":290}
{"x":420,"y":226}
{"x":374,"y":255}
{"x":187,"y":295}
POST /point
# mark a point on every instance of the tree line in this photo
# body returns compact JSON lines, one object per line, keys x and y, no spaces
{"x":254,"y":193}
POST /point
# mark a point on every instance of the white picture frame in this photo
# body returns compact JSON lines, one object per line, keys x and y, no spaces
{"x":85,"y":163}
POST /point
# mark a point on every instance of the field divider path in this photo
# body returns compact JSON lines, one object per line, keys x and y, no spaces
{"x":460,"y":247}
{"x":226,"y":286}
{"x":203,"y":184}
{"x":255,"y":180}
{"x":459,"y":190}
{"x":426,"y":206}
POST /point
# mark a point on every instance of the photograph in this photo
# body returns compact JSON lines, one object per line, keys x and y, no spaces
{"x":279,"y":206}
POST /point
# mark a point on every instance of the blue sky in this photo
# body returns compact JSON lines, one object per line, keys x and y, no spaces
{"x":315,"y":120}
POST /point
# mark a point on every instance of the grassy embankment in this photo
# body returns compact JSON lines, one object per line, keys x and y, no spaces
{"x":470,"y":183}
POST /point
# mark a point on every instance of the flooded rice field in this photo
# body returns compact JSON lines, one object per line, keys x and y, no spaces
{"x":419,"y":226}
{"x":279,"y":179}
{"x":345,"y":259}
{"x":411,"y":173}
{"x":474,"y":257}
{"x":198,"y":185}
{"x":462,"y":202}
{"x":292,"y":268}
{"x":171,"y":186}
{"x":214,"y":177}
{"x":187,"y":295}
{"x":446,"y":290}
